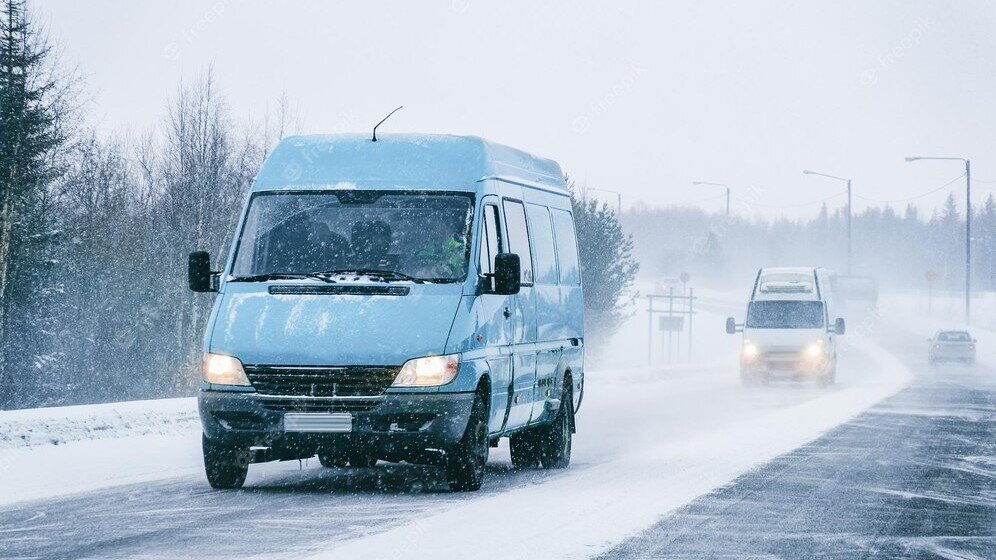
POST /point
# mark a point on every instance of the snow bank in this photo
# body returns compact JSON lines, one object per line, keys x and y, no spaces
{"x":61,"y":425}
{"x":46,"y":452}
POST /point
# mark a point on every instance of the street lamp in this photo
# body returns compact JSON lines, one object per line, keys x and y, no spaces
{"x":849,"y":210}
{"x":618,"y":198}
{"x":724,"y":185}
{"x":968,"y":229}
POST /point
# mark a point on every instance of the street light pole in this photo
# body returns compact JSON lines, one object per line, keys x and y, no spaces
{"x":968,"y":242}
{"x":724,"y":185}
{"x":850,"y":212}
{"x":618,"y":198}
{"x":968,"y":229}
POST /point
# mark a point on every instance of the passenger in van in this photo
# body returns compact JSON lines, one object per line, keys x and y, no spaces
{"x":303,"y":245}
{"x":371,"y":242}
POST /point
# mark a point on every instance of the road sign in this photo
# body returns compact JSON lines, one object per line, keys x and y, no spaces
{"x":671,"y":324}
{"x":931,"y":276}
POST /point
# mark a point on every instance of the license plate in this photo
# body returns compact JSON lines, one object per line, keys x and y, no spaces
{"x":334,"y":422}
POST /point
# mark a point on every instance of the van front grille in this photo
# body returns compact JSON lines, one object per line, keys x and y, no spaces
{"x":294,"y":381}
{"x":304,"y":404}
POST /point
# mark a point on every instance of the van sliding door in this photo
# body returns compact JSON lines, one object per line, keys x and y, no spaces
{"x":524,"y":317}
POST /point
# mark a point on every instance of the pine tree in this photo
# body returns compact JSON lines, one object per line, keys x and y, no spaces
{"x":30,"y":134}
{"x":607,"y":267}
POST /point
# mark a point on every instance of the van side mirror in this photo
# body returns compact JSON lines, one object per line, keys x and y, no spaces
{"x":199,"y":272}
{"x":507,"y":274}
{"x":731,"y":325}
{"x":839,"y":327}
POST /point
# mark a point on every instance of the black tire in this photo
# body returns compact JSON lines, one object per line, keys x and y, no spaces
{"x":333,"y":459}
{"x":361,"y":459}
{"x":225,"y":466}
{"x":524,"y":449}
{"x":555,"y":439}
{"x":465,"y":461}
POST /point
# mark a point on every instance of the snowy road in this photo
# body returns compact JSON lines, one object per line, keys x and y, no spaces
{"x":649,"y":442}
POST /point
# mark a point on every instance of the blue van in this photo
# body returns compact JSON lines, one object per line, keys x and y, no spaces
{"x":413,"y":298}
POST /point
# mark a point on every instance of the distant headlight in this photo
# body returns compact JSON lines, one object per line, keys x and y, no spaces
{"x":750,"y":350}
{"x":815,"y":349}
{"x":427,"y":372}
{"x":223,"y":370}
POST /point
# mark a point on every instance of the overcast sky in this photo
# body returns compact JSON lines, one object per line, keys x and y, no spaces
{"x":639,"y":97}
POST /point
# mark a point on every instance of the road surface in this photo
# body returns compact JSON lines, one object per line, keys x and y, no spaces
{"x":913,"y":477}
{"x":649,"y":442}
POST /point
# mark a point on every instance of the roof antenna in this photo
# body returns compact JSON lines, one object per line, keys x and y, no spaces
{"x":382,"y":121}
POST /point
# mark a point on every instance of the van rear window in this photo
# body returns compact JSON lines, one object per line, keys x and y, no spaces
{"x":420,"y":234}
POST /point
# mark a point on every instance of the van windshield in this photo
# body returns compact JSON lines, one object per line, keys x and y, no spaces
{"x":422,"y":235}
{"x":785,"y":314}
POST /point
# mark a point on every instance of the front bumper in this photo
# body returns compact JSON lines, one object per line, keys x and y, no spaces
{"x":399,"y":425}
{"x":794,"y":367}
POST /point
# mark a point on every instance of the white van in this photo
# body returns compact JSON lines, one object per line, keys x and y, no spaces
{"x":787,"y":333}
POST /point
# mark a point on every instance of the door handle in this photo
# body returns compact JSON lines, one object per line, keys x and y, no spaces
{"x":507,"y":313}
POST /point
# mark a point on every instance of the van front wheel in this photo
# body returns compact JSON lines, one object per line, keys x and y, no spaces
{"x":226,"y":466}
{"x":465,"y":461}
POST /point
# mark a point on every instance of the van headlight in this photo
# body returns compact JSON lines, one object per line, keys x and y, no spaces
{"x":815,"y":349}
{"x":750,"y":350}
{"x":429,"y":371}
{"x":223,"y":370}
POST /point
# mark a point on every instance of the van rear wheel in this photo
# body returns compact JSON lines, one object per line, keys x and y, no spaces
{"x":555,"y":439}
{"x":333,"y":459}
{"x":524,"y":449}
{"x":226,"y":466}
{"x":361,"y":459}
{"x":465,"y":461}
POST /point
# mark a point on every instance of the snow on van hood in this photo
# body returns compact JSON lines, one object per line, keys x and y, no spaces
{"x":307,"y":329}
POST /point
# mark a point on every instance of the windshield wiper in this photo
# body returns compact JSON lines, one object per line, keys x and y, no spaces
{"x":281,"y":276}
{"x":387,"y":275}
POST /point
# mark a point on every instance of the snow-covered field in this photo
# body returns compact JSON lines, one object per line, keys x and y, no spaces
{"x":650,"y":440}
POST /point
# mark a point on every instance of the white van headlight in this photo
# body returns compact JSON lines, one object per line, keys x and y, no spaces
{"x":815,"y":349}
{"x":223,"y":370}
{"x":427,"y":372}
{"x":750,"y":350}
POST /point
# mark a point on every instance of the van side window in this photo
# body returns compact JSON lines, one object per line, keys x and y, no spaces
{"x":490,"y":240}
{"x":543,"y":244}
{"x":567,"y":248}
{"x":518,"y":237}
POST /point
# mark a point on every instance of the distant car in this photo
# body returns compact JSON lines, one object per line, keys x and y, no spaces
{"x":951,"y":346}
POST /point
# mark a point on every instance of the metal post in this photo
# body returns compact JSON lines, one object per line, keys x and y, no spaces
{"x":691,"y":312}
{"x":968,"y":242}
{"x":650,"y":329}
{"x":727,"y":202}
{"x":930,"y":299}
{"x":850,"y":211}
{"x":670,"y":313}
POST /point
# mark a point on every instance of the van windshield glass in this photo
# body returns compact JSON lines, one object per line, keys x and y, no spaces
{"x":785,"y":315}
{"x":422,"y":235}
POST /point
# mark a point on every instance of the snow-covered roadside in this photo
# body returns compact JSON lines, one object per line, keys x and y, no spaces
{"x":64,"y":424}
{"x":587,"y":510}
{"x":47,"y":452}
